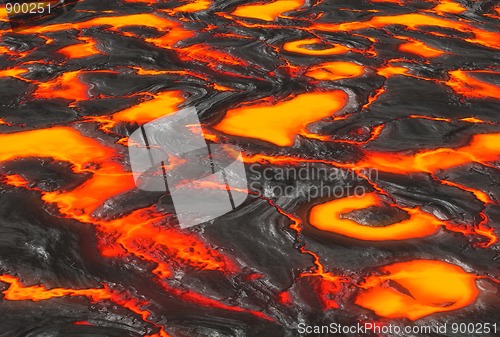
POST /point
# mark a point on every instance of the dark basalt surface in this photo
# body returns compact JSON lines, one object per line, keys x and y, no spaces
{"x":41,"y":245}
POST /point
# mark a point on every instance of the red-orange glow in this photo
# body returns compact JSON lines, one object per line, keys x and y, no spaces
{"x":332,"y":71}
{"x":473,"y":120}
{"x":448,"y":6}
{"x":300,"y":47}
{"x":328,"y":217}
{"x":486,"y":232}
{"x":376,"y":131}
{"x":4,"y":50}
{"x":80,"y":50}
{"x":108,"y":179}
{"x":430,"y":118}
{"x":194,"y":6}
{"x":391,"y":70}
{"x":221,"y":87}
{"x":399,"y":2}
{"x":171,"y":38}
{"x":206,"y":54}
{"x":374,"y":96}
{"x":83,"y":323}
{"x":149,"y":20}
{"x":285,"y":298}
{"x":173,"y":30}
{"x":67,"y":86}
{"x":464,"y":83}
{"x":162,"y":104}
{"x":60,"y":143}
{"x":148,"y":2}
{"x":268,"y":11}
{"x":208,"y":185}
{"x":326,"y":283}
{"x":326,"y":288}
{"x":152,"y":72}
{"x":137,"y":233}
{"x":15,"y":180}
{"x":480,"y":195}
{"x":429,"y":287}
{"x":84,"y":153}
{"x":13,"y":72}
{"x":17,"y":292}
{"x":150,"y":239}
{"x":412,"y":21}
{"x":281,"y":122}
{"x":194,"y":297}
{"x":142,"y":234}
{"x":3,"y":13}
{"x":481,"y":149}
{"x":421,"y":49}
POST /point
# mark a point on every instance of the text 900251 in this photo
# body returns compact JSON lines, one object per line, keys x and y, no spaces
{"x":25,"y":13}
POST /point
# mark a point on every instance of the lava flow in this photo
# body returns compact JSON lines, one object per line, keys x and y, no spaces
{"x":327,"y":217}
{"x":417,"y":289}
{"x":317,"y":96}
{"x":281,"y":122}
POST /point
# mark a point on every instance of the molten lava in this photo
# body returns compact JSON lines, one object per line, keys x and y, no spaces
{"x":482,"y":149}
{"x":332,"y":71}
{"x":268,"y":11}
{"x":361,"y":88}
{"x":328,"y":217}
{"x":279,"y":123}
{"x":304,"y":47}
{"x":416,"y":289}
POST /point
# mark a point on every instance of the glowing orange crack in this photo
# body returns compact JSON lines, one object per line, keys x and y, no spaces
{"x":162,"y":104}
{"x":142,"y":233}
{"x":15,"y":180}
{"x":17,"y":292}
{"x":481,"y":149}
{"x":464,"y":83}
{"x":209,"y":55}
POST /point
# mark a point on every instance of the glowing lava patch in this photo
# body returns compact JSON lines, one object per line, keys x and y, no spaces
{"x":281,"y":122}
{"x":268,"y":11}
{"x":482,"y":149}
{"x":417,"y":289}
{"x":328,"y":217}
{"x":332,"y":71}
{"x":301,"y":47}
